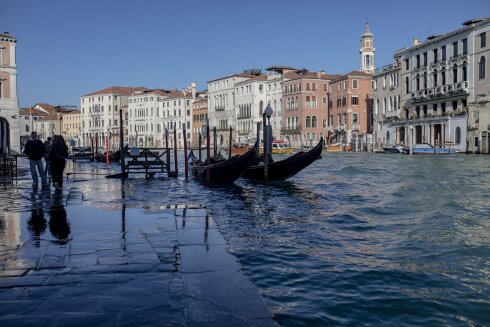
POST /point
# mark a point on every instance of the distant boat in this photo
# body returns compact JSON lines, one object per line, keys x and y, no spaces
{"x":280,"y":146}
{"x":338,"y":147}
{"x":286,"y":168}
{"x":425,"y":148}
{"x":394,"y":149}
{"x":223,"y":172}
{"x":81,"y":153}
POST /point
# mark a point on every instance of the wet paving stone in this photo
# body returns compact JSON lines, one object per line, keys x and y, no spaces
{"x":80,"y":258}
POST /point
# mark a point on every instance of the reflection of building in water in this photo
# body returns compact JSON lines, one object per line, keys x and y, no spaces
{"x":10,"y":229}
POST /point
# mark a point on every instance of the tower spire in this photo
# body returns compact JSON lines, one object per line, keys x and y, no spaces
{"x":367,"y":50}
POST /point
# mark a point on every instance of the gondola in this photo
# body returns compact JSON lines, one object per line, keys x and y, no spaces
{"x":287,"y":168}
{"x":113,"y":157}
{"x":225,"y":171}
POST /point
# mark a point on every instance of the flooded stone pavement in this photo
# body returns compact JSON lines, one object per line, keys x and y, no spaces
{"x":85,"y":255}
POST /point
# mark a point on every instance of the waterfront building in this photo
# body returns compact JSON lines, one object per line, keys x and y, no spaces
{"x":70,"y":128}
{"x":478,"y":135}
{"x":222,"y":111}
{"x":351,"y":109}
{"x":438,"y":80}
{"x":100,"y":114}
{"x":176,"y":116}
{"x":386,"y":102}
{"x":9,"y":104}
{"x":144,"y":129}
{"x":27,"y":117}
{"x":305,"y":98}
{"x":199,"y":120}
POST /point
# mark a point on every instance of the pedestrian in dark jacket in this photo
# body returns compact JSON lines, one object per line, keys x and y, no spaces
{"x":57,"y":158}
{"x":34,"y":149}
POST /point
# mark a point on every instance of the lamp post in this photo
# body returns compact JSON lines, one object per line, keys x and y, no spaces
{"x":267,"y":135}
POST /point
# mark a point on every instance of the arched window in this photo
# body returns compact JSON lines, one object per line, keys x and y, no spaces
{"x":313,"y":121}
{"x":481,"y":68}
{"x":457,"y":136}
{"x":27,"y":128}
{"x":443,"y":75}
{"x":308,"y":121}
{"x":313,"y":101}
{"x":434,"y":77}
{"x":261,"y":107}
{"x":308,"y":101}
{"x":296,"y":104}
{"x":407,"y":84}
{"x":455,"y":73}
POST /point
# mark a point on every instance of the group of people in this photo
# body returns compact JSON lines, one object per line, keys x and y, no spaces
{"x":54,"y":151}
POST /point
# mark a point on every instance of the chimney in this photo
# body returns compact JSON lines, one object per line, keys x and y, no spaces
{"x":416,"y":41}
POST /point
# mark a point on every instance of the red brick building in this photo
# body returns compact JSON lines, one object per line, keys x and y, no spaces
{"x":305,"y":101}
{"x":350,"y":108}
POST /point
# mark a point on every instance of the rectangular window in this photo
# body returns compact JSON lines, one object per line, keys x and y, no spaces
{"x":313,"y":86}
{"x":355,"y":83}
{"x":307,"y":86}
{"x":355,"y":100}
{"x":443,"y":52}
{"x":344,"y":101}
{"x":483,"y":40}
{"x":407,"y":64}
{"x":455,"y":49}
{"x":418,"y":61}
{"x":435,"y":55}
{"x":465,"y":46}
{"x":425,"y":58}
{"x":355,"y":118}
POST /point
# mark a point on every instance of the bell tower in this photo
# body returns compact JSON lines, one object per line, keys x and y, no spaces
{"x":367,"y":51}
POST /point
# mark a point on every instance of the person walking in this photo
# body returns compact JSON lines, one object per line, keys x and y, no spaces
{"x":47,"y":145}
{"x":57,"y":158}
{"x":34,"y":149}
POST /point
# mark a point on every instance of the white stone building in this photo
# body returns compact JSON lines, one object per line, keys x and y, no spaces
{"x":100,"y":115}
{"x":438,"y":79}
{"x":9,"y":104}
{"x":222,"y":109}
{"x":144,"y":129}
{"x":176,"y":116}
{"x":252,"y":96}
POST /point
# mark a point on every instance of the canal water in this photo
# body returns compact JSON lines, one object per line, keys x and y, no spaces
{"x":355,"y":239}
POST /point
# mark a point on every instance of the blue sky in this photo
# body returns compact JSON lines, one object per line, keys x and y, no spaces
{"x":68,"y":48}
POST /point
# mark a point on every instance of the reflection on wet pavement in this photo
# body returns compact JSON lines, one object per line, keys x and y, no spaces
{"x":65,"y":261}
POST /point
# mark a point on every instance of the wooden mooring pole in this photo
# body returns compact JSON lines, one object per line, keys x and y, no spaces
{"x":167,"y":152}
{"x":229,"y":145}
{"x":186,"y":160}
{"x":175,"y":152}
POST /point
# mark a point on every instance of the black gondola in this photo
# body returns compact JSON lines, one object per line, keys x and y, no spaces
{"x":226,"y":171}
{"x":284,"y":169}
{"x":113,"y":157}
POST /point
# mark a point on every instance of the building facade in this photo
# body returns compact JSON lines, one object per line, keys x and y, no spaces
{"x":199,"y":121}
{"x":100,"y":115}
{"x":305,"y":98}
{"x":439,"y":79}
{"x":478,"y":135}
{"x":9,"y":104}
{"x":144,"y":129}
{"x":386,"y":103}
{"x":70,"y":128}
{"x":222,"y":111}
{"x":351,"y":109}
